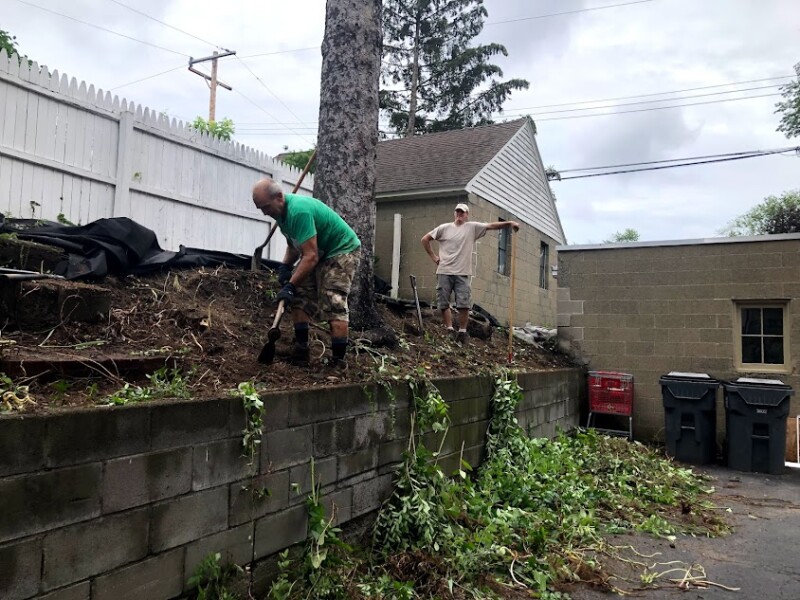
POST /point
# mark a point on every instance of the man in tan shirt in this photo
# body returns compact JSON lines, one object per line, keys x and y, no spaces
{"x":456,"y":242}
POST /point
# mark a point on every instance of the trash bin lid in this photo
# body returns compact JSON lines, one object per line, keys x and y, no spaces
{"x":688,"y":375}
{"x":756,"y":381}
{"x":758,"y":392}
{"x":681,"y":376}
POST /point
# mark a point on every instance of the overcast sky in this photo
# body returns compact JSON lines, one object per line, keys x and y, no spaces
{"x":640,"y":48}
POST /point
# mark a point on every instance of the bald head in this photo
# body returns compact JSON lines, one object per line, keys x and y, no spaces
{"x":268,"y":198}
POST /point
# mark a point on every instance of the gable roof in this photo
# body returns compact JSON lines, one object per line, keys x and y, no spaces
{"x":515,"y":180}
{"x":445,"y":160}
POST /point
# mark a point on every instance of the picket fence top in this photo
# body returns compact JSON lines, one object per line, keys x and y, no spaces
{"x":32,"y":75}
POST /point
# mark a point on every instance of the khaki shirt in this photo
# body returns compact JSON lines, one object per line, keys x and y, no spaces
{"x":456,"y":243}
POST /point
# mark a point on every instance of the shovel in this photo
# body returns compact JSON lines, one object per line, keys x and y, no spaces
{"x":416,"y":301}
{"x":255,"y":260}
{"x":267,"y":354}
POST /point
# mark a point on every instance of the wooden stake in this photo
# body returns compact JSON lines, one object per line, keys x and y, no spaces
{"x":511,"y":306}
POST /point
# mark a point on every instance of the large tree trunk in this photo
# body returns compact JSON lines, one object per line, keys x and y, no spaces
{"x":348,"y":133}
{"x":412,"y":102}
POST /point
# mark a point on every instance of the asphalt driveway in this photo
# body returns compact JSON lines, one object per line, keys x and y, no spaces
{"x":760,"y":559}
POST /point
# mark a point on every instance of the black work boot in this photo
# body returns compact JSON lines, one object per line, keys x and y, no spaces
{"x":300,"y":356}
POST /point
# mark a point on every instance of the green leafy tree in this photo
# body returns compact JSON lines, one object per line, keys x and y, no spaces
{"x":776,"y":214}
{"x":447,"y":82}
{"x":298,"y":158}
{"x":222,"y":129}
{"x":789,"y":108}
{"x":629,"y":235}
{"x":8,"y":42}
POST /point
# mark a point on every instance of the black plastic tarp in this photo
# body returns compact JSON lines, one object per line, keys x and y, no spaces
{"x":117,"y":246}
{"x":121,"y":246}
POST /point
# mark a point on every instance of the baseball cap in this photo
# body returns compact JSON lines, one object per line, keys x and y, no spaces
{"x":462,"y":206}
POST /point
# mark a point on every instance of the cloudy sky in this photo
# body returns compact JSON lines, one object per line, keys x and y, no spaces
{"x":619,"y":55}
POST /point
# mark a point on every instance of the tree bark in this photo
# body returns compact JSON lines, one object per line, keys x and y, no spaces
{"x":412,"y":103}
{"x":348,"y":134}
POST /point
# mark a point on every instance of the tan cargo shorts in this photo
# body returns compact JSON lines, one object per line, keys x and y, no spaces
{"x":447,"y":284}
{"x":325,"y":291}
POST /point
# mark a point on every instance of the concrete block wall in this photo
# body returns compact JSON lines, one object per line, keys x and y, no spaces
{"x":650,"y":308}
{"x":490,"y":289}
{"x":125,"y":502}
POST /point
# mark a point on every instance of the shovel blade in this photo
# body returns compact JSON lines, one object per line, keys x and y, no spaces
{"x":267,"y":354}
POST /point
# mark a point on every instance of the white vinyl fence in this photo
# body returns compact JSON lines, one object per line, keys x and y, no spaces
{"x":69,"y":150}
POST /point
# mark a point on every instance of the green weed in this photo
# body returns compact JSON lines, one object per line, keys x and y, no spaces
{"x":164,"y":383}
{"x":212,"y":579}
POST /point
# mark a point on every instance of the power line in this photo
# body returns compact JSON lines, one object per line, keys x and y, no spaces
{"x":687,"y":164}
{"x":622,"y":112}
{"x":534,"y":17}
{"x":568,"y":12}
{"x":165,"y":24}
{"x":519,"y":111}
{"x":265,"y":111}
{"x":282,"y":51}
{"x":694,"y":89}
{"x":569,"y":110}
{"x":137,"y":11}
{"x":103,"y":28}
{"x":181,"y":66}
{"x":685,"y":158}
{"x":274,"y":95}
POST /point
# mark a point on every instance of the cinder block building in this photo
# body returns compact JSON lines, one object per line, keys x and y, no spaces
{"x":498,"y":172}
{"x":722,"y":306}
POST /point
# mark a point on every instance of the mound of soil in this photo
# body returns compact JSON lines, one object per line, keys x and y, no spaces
{"x":211,"y":324}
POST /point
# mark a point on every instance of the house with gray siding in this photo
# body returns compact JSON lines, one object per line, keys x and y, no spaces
{"x":498,"y":171}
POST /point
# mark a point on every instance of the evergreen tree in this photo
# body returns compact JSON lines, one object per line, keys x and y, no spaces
{"x":448,"y":83}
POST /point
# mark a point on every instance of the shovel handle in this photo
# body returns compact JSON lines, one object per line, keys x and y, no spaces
{"x":512,"y":302}
{"x":413,"y":280}
{"x":278,"y":315}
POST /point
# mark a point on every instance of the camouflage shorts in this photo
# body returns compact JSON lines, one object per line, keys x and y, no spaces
{"x":325,"y":291}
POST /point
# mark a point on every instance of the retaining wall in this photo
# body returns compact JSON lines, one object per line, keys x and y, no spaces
{"x":125,"y":502}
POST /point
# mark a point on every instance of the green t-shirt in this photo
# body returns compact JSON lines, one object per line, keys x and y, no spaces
{"x":307,"y":217}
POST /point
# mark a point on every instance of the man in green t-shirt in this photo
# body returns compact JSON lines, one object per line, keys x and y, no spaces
{"x":329,"y":253}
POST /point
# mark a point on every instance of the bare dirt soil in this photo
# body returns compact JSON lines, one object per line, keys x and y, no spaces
{"x":212,"y":324}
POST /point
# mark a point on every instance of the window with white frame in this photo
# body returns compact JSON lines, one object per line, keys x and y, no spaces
{"x":762,"y":336}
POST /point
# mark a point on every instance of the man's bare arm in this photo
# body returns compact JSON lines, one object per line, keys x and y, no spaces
{"x":502,"y":225}
{"x":426,"y":243}
{"x":309,"y":259}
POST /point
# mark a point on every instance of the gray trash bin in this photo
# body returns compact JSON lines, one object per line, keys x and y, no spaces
{"x":690,"y":416}
{"x":755,"y":420}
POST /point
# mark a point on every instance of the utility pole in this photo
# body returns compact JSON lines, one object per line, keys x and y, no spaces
{"x":212,"y":80}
